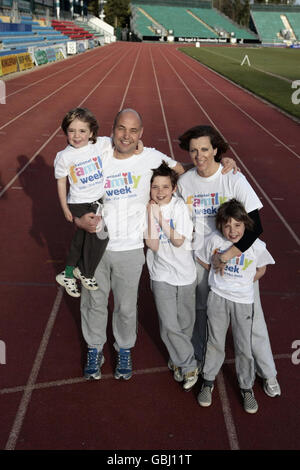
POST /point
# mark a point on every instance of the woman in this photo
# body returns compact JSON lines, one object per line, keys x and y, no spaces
{"x":204,"y":188}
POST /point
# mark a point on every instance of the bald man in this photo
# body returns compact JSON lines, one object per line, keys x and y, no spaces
{"x":127,"y":186}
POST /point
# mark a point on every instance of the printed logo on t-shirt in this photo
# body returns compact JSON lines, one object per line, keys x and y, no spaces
{"x":122,"y":184}
{"x":162,"y":236}
{"x":87,"y":172}
{"x":205,"y":204}
{"x":237,"y":264}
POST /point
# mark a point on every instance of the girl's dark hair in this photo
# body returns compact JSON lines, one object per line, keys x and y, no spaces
{"x":216,"y":139}
{"x":85,"y":115}
{"x":233,"y":209}
{"x":165,"y":170}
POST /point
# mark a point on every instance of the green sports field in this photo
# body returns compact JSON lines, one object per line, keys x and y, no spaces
{"x":270,"y":74}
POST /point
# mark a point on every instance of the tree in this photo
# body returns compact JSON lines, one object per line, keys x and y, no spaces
{"x":117,"y":12}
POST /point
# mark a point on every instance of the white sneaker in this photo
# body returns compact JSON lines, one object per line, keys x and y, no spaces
{"x":177,"y":371}
{"x":89,"y":283}
{"x":271,"y":387}
{"x":190,"y":379}
{"x":68,"y":283}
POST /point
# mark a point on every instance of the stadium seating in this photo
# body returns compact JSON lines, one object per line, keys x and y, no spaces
{"x":28,"y":33}
{"x":70,"y":29}
{"x":186,"y":21}
{"x":272,"y":22}
{"x":221,"y":23}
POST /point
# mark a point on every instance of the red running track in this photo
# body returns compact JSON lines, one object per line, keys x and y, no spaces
{"x":45,"y":403}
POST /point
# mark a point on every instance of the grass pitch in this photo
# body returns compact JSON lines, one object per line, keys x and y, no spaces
{"x":270,"y":74}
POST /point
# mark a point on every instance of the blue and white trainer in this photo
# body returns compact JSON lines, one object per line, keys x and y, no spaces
{"x":95,"y":359}
{"x":124,"y":365}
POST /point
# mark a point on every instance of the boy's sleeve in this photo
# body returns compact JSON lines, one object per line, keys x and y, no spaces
{"x":205,"y":252}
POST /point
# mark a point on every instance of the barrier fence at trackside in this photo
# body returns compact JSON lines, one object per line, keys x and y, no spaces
{"x":41,"y":55}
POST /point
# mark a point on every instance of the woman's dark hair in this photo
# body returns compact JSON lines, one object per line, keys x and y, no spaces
{"x":165,"y":170}
{"x":216,"y":139}
{"x":235,"y":210}
{"x":85,"y":115}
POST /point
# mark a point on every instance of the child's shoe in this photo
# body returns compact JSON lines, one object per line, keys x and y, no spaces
{"x":249,"y":402}
{"x":95,"y":359}
{"x":177,"y":371}
{"x":272,"y":387}
{"x":190,"y":379}
{"x":68,"y":283}
{"x":124,"y":365}
{"x":89,"y":283}
{"x":205,"y":396}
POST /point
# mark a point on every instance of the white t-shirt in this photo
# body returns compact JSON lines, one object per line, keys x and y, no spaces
{"x":127,"y":192}
{"x":204,"y":196}
{"x":237,"y":282}
{"x":174,"y":265}
{"x":84,"y":169}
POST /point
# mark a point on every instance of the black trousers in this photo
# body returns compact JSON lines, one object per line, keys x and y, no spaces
{"x":86,"y":248}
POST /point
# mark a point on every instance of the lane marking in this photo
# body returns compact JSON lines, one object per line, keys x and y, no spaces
{"x":19,"y":418}
{"x":53,"y":93}
{"x":78,"y":380}
{"x":227,"y":413}
{"x":287,"y":146}
{"x":162,"y":108}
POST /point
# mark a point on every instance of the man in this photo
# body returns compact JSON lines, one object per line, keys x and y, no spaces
{"x":127,"y":185}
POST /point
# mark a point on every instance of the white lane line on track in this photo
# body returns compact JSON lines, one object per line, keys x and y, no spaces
{"x":286,"y":146}
{"x":129,"y":81}
{"x":162,"y":108}
{"x":19,"y":418}
{"x":78,"y":380}
{"x":279,"y":215}
{"x":9,"y":184}
{"x":53,"y":93}
{"x":48,"y":77}
{"x":227,"y":413}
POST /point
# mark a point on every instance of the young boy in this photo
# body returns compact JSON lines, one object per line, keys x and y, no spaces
{"x":172,"y":272}
{"x":81,"y":164}
{"x":231,"y":299}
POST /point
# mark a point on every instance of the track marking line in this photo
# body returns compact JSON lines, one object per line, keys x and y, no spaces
{"x":49,"y":76}
{"x":19,"y":418}
{"x":162,"y":108}
{"x":279,"y":215}
{"x":287,"y":146}
{"x":129,"y":81}
{"x":52,"y":93}
{"x":81,"y":379}
{"x":227,"y":413}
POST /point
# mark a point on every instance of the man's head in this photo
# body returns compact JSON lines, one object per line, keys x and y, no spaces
{"x":127,"y":130}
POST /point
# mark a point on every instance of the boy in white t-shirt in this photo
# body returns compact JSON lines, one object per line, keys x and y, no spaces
{"x":172,"y":272}
{"x":81,"y":165}
{"x":231,"y":299}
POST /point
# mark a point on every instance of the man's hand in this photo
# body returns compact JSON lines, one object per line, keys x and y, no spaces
{"x":88,"y":222}
{"x":229,"y":164}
